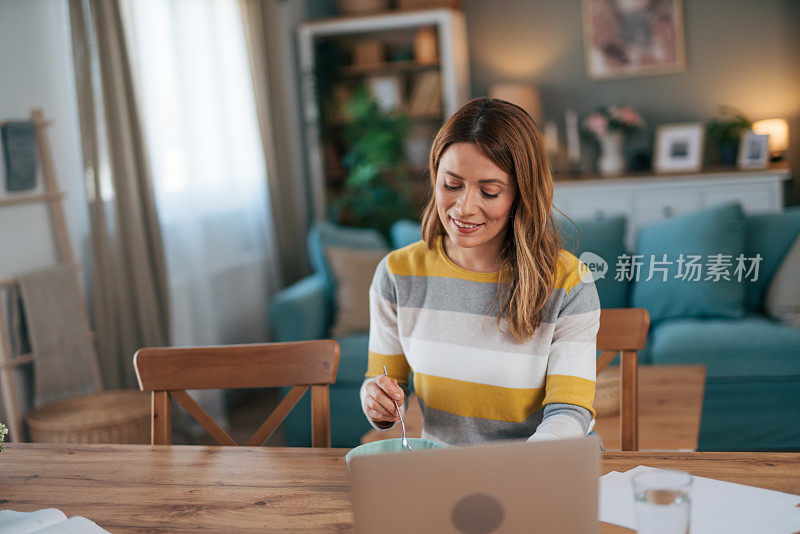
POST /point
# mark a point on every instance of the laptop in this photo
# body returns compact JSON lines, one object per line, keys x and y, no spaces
{"x":509,"y":487}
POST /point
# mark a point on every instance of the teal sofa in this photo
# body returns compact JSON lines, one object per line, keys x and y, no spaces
{"x":752,"y":394}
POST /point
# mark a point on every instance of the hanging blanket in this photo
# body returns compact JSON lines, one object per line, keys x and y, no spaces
{"x":63,"y":357}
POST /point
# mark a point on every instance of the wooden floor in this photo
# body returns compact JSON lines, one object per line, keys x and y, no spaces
{"x":670,"y":405}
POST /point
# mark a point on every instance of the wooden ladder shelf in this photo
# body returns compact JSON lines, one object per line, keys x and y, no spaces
{"x":53,"y":197}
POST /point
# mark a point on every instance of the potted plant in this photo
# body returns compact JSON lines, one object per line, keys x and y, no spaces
{"x":724,"y":132}
{"x":3,"y":432}
{"x":609,"y":125}
{"x":377,"y":191}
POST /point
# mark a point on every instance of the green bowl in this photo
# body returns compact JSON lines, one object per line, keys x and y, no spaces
{"x":388,"y":446}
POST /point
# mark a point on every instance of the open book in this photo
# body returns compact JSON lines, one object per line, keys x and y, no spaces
{"x":47,"y":521}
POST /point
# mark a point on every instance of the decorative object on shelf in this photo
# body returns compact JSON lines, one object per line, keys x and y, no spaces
{"x":552,"y":146}
{"x":410,"y":5}
{"x":609,"y":125}
{"x":339,"y":97}
{"x":724,"y":132}
{"x":633,"y":38}
{"x":573,"y":142}
{"x":524,"y":95}
{"x":3,"y":432}
{"x":426,"y":50}
{"x":362,"y":7}
{"x":753,"y":151}
{"x":19,"y":150}
{"x":418,"y":143}
{"x":426,"y":99}
{"x":377,"y":190}
{"x":372,"y":52}
{"x":387,"y":92}
{"x":679,"y":147}
{"x":778,"y":131}
{"x":611,"y":160}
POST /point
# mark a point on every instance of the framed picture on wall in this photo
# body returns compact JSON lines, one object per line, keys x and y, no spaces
{"x":679,"y":147}
{"x":753,"y":151}
{"x":624,"y":38}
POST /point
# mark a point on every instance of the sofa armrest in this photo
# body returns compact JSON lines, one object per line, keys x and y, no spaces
{"x":301,"y":311}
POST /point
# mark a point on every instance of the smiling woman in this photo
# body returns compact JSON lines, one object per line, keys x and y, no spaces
{"x":490,"y":250}
{"x":474,"y":196}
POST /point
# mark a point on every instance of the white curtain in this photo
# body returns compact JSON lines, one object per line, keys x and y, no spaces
{"x":193,"y":82}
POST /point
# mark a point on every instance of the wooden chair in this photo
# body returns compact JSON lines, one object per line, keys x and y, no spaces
{"x":624,"y":331}
{"x":169,"y":372}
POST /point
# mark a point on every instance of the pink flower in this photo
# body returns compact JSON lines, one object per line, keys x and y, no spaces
{"x":630,"y":117}
{"x":596,"y":123}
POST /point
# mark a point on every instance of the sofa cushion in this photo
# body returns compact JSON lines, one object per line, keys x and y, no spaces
{"x":353,"y":271}
{"x":404,"y":232}
{"x":604,"y":238}
{"x":783,"y":295}
{"x":749,"y":347}
{"x":716,"y":231}
{"x":325,"y":234}
{"x":770,"y":235}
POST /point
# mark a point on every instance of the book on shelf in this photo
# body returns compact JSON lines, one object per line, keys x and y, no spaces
{"x":426,"y":95}
{"x":47,"y":521}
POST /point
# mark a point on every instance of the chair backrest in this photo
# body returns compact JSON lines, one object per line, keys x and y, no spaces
{"x":170,"y":371}
{"x":624,"y":331}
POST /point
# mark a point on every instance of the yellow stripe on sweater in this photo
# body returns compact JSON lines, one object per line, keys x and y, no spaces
{"x":396,"y":365}
{"x":570,"y":389}
{"x":418,"y":260}
{"x":469,"y":399}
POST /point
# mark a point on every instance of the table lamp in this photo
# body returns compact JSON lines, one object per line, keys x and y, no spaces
{"x":524,"y":95}
{"x":778,"y":131}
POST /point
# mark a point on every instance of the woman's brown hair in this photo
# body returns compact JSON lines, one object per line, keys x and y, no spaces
{"x":507,"y":135}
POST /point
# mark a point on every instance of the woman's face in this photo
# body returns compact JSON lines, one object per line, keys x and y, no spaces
{"x":473,"y":197}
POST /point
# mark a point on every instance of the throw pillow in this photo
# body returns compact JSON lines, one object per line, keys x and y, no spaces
{"x":324,"y":234}
{"x":604,"y":238}
{"x":783,"y":293}
{"x":353,"y":271}
{"x":769,"y":235}
{"x":687,"y":265}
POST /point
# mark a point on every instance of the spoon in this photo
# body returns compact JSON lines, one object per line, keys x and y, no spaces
{"x":406,"y":446}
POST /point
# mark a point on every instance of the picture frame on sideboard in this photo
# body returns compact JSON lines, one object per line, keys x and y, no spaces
{"x":753,"y":151}
{"x":679,"y":147}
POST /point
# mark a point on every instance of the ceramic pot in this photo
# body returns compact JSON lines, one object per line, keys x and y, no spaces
{"x":611,"y":159}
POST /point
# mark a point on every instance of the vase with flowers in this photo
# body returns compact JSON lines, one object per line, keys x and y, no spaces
{"x":609,"y":125}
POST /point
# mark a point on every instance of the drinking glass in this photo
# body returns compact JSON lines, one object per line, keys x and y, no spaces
{"x":662,"y":501}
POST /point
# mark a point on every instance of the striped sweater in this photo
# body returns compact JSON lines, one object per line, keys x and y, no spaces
{"x":474,"y":382}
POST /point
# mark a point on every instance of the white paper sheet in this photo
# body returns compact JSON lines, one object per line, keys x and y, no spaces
{"x":717,"y":506}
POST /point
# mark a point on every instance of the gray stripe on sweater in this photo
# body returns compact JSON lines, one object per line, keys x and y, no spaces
{"x":458,"y":430}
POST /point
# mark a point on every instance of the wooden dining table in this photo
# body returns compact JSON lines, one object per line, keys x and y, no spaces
{"x":180,"y":488}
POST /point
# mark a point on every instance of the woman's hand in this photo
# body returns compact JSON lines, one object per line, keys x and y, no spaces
{"x":378,"y":401}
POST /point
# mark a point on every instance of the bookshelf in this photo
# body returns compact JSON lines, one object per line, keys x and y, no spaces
{"x":378,"y":50}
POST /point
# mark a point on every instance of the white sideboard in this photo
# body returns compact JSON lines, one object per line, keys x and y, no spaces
{"x":645,"y":199}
